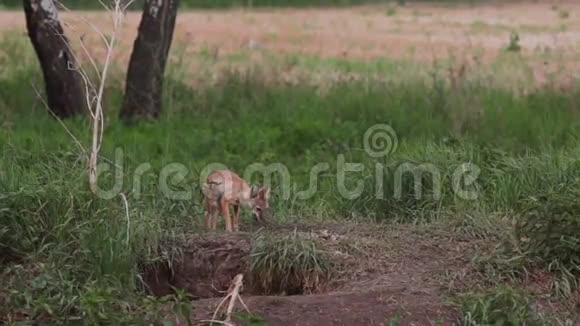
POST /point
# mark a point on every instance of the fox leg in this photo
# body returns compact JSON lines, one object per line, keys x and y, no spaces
{"x":236,"y":217}
{"x":215,"y":216}
{"x":225,"y":209}
{"x":217,"y":211}
{"x":208,"y":213}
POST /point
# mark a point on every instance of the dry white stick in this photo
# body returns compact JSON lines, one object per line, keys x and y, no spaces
{"x":217,"y":322}
{"x":98,"y":113}
{"x":98,"y":124}
{"x":233,"y":296}
{"x":243,"y":303}
{"x":220,"y":305}
{"x":88,"y":54}
{"x":127,"y":214}
{"x":94,"y":97}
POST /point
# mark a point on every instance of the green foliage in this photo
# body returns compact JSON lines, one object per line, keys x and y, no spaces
{"x":289,"y":264}
{"x":82,"y":254}
{"x":46,"y":294}
{"x":248,"y":319}
{"x":502,"y":306}
{"x":514,"y":43}
{"x":546,"y":237}
{"x":549,"y":229}
{"x":395,"y":320}
{"x":69,"y":255}
{"x":564,"y":14}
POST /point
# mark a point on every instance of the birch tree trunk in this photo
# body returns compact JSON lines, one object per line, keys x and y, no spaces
{"x":143,"y":90}
{"x":64,"y":85}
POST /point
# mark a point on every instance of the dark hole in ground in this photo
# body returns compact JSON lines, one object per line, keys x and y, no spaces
{"x":207,"y":266}
{"x":8,"y":255}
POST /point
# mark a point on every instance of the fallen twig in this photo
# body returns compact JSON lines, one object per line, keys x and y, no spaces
{"x":233,"y":296}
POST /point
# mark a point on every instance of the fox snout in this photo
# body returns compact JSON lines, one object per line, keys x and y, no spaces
{"x":263,"y":215}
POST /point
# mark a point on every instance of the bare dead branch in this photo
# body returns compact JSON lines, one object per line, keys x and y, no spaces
{"x":233,"y":295}
{"x":94,"y":92}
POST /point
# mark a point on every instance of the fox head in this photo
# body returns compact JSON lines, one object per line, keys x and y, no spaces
{"x":259,"y":203}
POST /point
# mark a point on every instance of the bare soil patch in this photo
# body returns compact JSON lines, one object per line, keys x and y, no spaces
{"x":379,"y":272}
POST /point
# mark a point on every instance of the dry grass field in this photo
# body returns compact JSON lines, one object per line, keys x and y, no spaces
{"x":471,"y":35}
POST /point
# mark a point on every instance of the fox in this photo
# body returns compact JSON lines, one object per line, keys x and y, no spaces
{"x":224,"y":188}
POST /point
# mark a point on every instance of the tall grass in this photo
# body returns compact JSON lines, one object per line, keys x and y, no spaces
{"x":82,"y":253}
{"x":288,"y":264}
{"x":501,"y":306}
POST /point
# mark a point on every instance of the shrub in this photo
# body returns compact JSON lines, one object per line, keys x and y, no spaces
{"x":391,"y":11}
{"x":502,"y":306}
{"x":546,"y":236}
{"x":514,"y":43}
{"x":287,"y":264}
{"x":549,"y":230}
{"x":564,"y":14}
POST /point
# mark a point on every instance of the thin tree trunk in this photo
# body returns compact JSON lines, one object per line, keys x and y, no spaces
{"x":64,"y":85}
{"x":143,"y":90}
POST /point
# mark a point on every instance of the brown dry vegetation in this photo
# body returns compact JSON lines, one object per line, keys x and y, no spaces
{"x":419,"y":31}
{"x":470,"y":35}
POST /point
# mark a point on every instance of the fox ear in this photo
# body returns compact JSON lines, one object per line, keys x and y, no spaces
{"x":254,"y":192}
{"x":265,"y":191}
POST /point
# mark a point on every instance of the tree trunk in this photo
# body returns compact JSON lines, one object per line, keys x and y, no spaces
{"x":143,"y":90}
{"x":65,"y":90}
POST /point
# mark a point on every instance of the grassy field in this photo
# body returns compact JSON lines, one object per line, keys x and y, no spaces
{"x":67,"y":255}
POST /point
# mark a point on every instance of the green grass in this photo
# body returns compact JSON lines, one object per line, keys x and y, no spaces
{"x":502,"y":306}
{"x":545,"y":237}
{"x":68,"y":255}
{"x":288,"y":264}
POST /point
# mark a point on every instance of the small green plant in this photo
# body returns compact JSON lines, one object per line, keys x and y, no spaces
{"x":549,"y":228}
{"x":181,"y":303}
{"x":391,"y":11}
{"x":288,"y":264}
{"x":395,"y":320}
{"x":502,"y":306}
{"x":548,"y":235}
{"x":249,"y":319}
{"x":564,"y":14}
{"x":401,"y":2}
{"x":514,"y":43}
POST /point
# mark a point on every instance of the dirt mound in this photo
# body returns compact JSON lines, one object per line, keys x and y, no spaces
{"x":379,"y":273}
{"x":209,"y":262}
{"x":205,"y":268}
